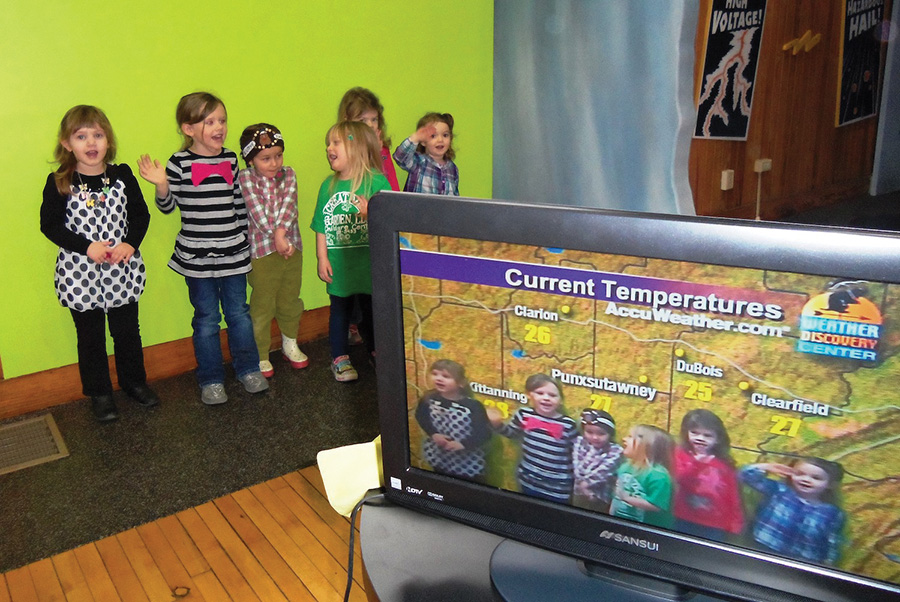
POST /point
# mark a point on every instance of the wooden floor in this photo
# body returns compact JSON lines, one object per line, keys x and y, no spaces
{"x":276,"y":541}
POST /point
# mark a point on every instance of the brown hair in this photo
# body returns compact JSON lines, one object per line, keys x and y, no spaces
{"x":835,"y":473}
{"x":194,"y":108}
{"x":701,"y":418}
{"x":263,"y":135}
{"x":363,"y":151}
{"x":442,"y":118}
{"x":76,"y":118}
{"x":456,"y":371}
{"x":536,"y":381}
{"x":357,"y":101}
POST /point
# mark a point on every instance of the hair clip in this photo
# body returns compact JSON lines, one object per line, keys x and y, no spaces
{"x":349,"y":136}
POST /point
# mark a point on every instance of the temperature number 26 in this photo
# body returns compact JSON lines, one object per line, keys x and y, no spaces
{"x":537,"y":334}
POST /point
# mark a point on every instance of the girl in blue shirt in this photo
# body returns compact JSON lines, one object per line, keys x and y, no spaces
{"x":798,"y":517}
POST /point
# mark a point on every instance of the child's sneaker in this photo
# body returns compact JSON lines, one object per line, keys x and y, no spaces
{"x":343,"y":370}
{"x":292,"y":353}
{"x":353,"y":337}
{"x":265,"y":366}
{"x":213,"y":395}
{"x":254,"y":382}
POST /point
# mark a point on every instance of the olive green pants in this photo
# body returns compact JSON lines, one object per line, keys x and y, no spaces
{"x":276,"y":294}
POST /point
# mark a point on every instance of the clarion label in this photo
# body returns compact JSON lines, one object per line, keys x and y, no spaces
{"x":631,"y":541}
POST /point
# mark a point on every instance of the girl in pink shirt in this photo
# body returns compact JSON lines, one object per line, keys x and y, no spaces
{"x":707,"y":500}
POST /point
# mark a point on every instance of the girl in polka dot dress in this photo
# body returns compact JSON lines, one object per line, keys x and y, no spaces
{"x":94,"y":210}
{"x":456,"y":425}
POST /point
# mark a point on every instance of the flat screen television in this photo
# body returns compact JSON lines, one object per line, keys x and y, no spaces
{"x":747,"y":374}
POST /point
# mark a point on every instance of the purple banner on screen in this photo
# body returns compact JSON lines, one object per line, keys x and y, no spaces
{"x":589,"y":284}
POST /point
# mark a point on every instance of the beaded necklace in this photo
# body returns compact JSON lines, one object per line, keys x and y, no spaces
{"x":91,"y":198}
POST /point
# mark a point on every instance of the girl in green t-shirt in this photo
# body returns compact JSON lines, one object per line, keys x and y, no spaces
{"x":644,"y":483}
{"x":342,"y":235}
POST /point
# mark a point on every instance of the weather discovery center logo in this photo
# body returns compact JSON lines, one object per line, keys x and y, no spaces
{"x":841,"y":322}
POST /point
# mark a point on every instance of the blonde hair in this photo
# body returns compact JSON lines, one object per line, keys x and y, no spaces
{"x":363,"y":152}
{"x":652,"y":445}
{"x":357,"y":101}
{"x":194,"y":108}
{"x":76,"y":118}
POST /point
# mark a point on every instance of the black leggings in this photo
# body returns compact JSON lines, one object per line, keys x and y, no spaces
{"x":93,"y":365}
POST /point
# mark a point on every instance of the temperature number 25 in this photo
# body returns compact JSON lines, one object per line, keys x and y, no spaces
{"x":700,"y":391}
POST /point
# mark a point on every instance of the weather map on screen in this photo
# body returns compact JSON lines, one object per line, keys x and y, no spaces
{"x":720,"y":399}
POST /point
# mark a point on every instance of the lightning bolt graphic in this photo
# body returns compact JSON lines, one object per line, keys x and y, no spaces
{"x":735,"y":61}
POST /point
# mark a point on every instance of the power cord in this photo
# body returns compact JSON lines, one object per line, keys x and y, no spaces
{"x":356,"y":509}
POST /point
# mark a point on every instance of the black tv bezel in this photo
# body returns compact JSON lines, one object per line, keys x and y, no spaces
{"x":739,"y":573}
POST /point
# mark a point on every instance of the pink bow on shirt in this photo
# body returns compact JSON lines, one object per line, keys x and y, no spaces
{"x":201,"y":171}
{"x":534,"y":423}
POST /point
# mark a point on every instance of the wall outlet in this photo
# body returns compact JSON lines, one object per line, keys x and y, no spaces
{"x":727,"y":179}
{"x":762,"y":165}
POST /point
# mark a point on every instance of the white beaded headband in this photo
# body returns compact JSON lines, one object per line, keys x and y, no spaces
{"x":273,"y":136}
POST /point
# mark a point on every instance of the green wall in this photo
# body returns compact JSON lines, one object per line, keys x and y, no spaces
{"x":287,"y":63}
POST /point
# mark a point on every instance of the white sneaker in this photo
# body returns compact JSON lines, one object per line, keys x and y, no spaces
{"x":265,"y":366}
{"x":254,"y":382}
{"x":213,"y":394}
{"x":292,"y":353}
{"x":353,"y":336}
{"x":343,"y":370}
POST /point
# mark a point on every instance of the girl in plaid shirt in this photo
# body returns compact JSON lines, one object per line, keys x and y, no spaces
{"x":595,"y":458}
{"x":270,"y":192}
{"x":799,"y":517}
{"x":428,"y":156}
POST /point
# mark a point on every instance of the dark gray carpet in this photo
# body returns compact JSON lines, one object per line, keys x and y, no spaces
{"x":153,"y":463}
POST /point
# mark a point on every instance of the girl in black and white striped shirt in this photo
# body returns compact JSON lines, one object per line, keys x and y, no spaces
{"x":211,"y":250}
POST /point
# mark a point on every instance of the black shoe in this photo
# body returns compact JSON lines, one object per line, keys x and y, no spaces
{"x":143,"y":394}
{"x":104,"y":408}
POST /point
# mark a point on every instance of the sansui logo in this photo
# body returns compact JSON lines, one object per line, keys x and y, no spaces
{"x":632,"y":541}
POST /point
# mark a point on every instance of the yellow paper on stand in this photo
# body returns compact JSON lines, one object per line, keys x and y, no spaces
{"x":349,"y":472}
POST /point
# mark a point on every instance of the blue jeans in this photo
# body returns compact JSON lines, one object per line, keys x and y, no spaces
{"x":339,"y":321}
{"x":231,"y":292}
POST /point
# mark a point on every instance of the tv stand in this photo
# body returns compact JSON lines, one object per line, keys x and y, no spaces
{"x":523,"y":573}
{"x":410,"y":556}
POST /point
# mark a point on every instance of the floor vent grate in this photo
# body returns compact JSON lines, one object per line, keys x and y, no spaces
{"x":30,"y":442}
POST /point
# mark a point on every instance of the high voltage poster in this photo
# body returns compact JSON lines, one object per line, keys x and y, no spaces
{"x":729,"y":68}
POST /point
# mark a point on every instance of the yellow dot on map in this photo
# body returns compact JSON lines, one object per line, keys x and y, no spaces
{"x":643,"y":378}
{"x":743,"y":385}
{"x":565,"y":309}
{"x":679,"y":352}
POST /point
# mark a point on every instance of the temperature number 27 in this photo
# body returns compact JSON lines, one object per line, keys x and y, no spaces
{"x":785,"y":426}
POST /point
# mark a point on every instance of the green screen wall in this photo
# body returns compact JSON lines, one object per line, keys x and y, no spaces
{"x":287,"y":63}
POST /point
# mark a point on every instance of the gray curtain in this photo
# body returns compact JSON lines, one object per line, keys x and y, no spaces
{"x":886,"y":171}
{"x":593,"y":102}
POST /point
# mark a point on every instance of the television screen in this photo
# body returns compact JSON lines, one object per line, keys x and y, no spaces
{"x":711,"y":402}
